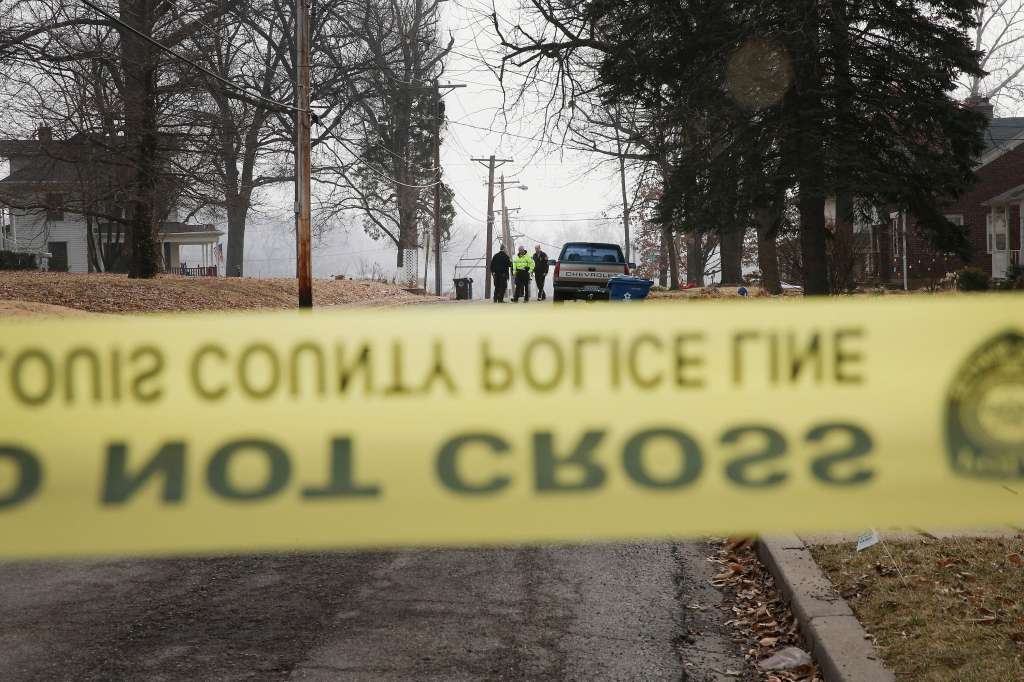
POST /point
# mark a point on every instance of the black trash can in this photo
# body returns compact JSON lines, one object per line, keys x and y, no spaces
{"x":463,"y":288}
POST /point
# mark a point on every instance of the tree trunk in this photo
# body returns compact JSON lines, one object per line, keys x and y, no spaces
{"x":663,"y":261}
{"x":672,"y":255}
{"x":813,"y":247}
{"x":138,"y":64}
{"x":237,"y":213}
{"x":767,"y":249}
{"x":694,"y":260}
{"x":846,"y":135}
{"x":731,"y":253}
{"x":92,"y":244}
{"x":808,"y":111}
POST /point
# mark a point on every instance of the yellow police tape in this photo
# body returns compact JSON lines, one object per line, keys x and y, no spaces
{"x":455,"y":425}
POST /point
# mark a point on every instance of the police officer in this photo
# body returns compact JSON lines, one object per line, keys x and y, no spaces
{"x":522,"y":266}
{"x":540,"y":271}
{"x":501,"y":264}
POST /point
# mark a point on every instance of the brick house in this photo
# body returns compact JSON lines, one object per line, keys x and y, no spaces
{"x":990,"y":209}
{"x":65,"y":202}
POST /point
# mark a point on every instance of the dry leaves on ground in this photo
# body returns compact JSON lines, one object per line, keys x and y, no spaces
{"x":109,"y":293}
{"x":762,"y":620}
{"x":24,"y":309}
{"x":938,"y":609}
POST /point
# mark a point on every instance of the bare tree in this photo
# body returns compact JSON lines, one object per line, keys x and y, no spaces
{"x":999,"y":36}
{"x":389,"y":53}
{"x":44,"y":34}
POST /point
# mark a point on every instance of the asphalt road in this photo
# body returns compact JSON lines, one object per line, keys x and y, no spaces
{"x":619,"y":612}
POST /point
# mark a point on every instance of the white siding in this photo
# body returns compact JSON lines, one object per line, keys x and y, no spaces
{"x":35,"y":232}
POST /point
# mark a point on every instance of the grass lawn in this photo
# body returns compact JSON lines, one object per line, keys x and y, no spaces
{"x":939,"y":610}
{"x":29,"y":293}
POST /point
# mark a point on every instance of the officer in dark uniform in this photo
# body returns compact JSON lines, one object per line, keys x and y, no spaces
{"x":501,"y":264}
{"x":540,"y":271}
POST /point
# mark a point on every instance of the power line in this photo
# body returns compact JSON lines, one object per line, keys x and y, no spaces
{"x":500,"y":132}
{"x":534,"y":239}
{"x":566,"y":220}
{"x":382,"y":174}
{"x":458,"y":203}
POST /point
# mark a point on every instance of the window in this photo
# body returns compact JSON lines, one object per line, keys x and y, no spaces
{"x":58,"y":256}
{"x":54,"y":206}
{"x":955,"y":218}
{"x":996,"y":229}
{"x":592,"y":253}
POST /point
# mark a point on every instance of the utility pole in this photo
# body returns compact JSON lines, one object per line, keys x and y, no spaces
{"x":437,"y":193}
{"x":622,"y":178}
{"x":437,"y":187}
{"x":303,"y":166}
{"x":492,"y":163}
{"x":506,"y":228}
{"x":506,"y":236}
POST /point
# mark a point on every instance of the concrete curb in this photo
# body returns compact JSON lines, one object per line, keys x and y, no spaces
{"x":838,"y":641}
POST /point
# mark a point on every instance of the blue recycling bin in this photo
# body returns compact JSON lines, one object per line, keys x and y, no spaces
{"x":627,"y":288}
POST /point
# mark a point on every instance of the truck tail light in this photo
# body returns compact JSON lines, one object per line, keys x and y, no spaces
{"x":557,"y":267}
{"x":625,"y":268}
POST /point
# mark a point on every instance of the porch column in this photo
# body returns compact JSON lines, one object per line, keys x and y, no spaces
{"x":1015,"y":255}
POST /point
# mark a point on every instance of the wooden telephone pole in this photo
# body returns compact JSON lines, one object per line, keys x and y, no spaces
{"x":437,"y":187}
{"x":303,"y":165}
{"x":622,"y":178}
{"x":492,"y":163}
{"x":506,"y":228}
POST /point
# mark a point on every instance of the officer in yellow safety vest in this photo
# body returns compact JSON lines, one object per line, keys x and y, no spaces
{"x":522,"y":266}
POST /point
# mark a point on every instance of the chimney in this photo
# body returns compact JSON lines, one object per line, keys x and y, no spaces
{"x":45,"y":134}
{"x":981,"y":105}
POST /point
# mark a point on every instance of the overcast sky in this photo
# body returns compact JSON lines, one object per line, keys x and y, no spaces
{"x":567,"y":198}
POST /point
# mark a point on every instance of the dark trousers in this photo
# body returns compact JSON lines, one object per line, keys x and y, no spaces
{"x":500,"y":286}
{"x":522,"y":286}
{"x":540,"y":277}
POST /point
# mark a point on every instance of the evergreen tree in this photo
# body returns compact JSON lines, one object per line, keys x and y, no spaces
{"x":823,"y":97}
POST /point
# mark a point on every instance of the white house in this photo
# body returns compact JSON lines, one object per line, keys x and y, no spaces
{"x":64,"y":201}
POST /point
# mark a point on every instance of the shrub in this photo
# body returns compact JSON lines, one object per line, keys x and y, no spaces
{"x":11,"y":260}
{"x":972,"y":279}
{"x":1013,"y":279}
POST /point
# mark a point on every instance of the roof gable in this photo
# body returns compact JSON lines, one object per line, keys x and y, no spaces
{"x":1002,"y":135}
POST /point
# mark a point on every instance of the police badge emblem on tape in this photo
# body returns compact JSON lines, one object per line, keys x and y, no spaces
{"x":985,"y":411}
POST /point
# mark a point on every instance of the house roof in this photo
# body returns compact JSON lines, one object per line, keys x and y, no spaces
{"x":54,"y":172}
{"x":178,"y":228}
{"x":1010,"y":196}
{"x":1001,"y":136}
{"x":81,"y":159}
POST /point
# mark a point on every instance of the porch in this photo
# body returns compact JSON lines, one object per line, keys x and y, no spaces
{"x":175,"y":235}
{"x":1004,"y":236}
